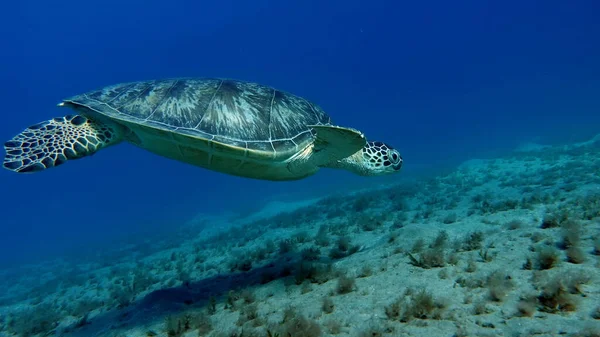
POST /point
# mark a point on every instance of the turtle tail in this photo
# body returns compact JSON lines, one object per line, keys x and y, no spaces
{"x":53,"y":142}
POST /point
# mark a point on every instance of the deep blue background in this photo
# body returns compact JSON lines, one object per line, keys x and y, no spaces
{"x":442,"y":81}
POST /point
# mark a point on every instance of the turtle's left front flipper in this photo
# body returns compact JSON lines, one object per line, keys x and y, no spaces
{"x":53,"y":142}
{"x":334,"y":143}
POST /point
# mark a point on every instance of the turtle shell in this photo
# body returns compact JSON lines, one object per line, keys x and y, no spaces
{"x":243,"y":116}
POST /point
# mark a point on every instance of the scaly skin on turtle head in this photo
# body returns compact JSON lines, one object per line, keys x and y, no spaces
{"x":374,"y":159}
{"x":380,"y":158}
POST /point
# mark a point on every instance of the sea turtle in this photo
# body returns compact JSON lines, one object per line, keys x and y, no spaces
{"x":235,"y":127}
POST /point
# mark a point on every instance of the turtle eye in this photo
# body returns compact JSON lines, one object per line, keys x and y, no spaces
{"x":394,"y":157}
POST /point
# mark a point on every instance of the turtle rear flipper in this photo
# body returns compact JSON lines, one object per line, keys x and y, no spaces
{"x":53,"y":142}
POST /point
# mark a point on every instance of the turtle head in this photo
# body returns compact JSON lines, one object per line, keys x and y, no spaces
{"x":374,"y":159}
{"x":379,"y":159}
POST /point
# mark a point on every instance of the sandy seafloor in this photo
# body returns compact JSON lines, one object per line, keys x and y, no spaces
{"x":498,"y":247}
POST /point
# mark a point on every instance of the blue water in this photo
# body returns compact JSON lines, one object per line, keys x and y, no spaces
{"x":442,"y":81}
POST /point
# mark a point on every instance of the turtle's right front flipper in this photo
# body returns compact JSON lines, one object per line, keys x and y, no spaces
{"x":51,"y":143}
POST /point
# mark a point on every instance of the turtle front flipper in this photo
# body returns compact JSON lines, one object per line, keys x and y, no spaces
{"x":332,"y":144}
{"x":53,"y":142}
{"x":335,"y":143}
